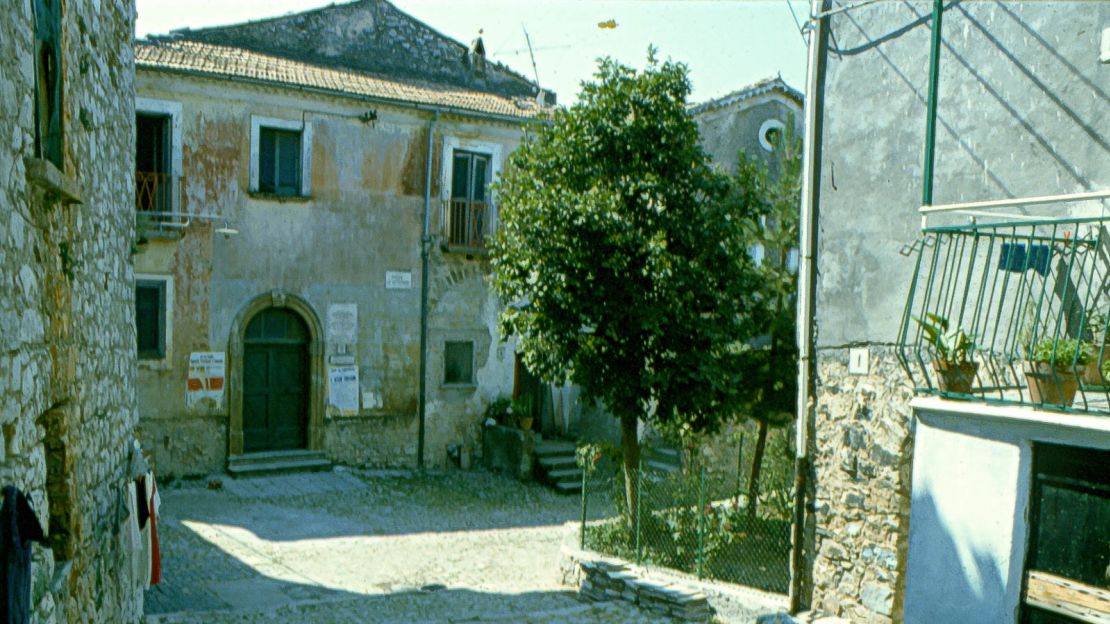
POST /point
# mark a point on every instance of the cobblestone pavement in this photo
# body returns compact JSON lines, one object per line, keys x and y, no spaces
{"x":360,"y":546}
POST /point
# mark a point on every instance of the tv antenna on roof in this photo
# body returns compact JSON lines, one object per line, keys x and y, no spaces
{"x":528,"y":39}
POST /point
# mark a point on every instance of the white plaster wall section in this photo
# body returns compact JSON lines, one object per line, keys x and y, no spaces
{"x":972,"y":480}
{"x":495,"y":375}
{"x":966,"y":492}
{"x":304,"y":127}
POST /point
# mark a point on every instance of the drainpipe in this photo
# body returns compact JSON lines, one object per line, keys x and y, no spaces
{"x":425,"y":247}
{"x":807,"y":294}
{"x":931,"y":118}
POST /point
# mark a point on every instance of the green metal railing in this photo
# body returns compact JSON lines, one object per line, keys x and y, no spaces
{"x":1033,"y":295}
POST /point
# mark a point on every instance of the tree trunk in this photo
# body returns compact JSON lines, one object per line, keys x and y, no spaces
{"x":757,"y":465}
{"x":630,"y":450}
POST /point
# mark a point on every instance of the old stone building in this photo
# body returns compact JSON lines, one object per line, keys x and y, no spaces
{"x":937,"y":504}
{"x":67,"y":360}
{"x":288,"y":171}
{"x":746,"y":121}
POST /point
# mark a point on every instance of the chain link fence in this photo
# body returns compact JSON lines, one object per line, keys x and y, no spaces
{"x":697,"y":519}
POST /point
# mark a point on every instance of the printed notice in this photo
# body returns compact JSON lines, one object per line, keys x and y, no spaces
{"x":206,"y":378}
{"x":343,"y":389}
{"x":343,"y":323}
{"x":398,"y":280}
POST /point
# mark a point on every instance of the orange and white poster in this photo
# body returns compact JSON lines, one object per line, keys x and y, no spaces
{"x":206,"y":378}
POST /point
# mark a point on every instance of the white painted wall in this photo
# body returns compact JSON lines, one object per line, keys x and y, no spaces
{"x":972,"y":473}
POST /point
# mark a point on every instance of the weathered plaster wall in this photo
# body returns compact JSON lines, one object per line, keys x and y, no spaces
{"x":1022,"y":111}
{"x":67,"y":346}
{"x":729,"y":130}
{"x":362,"y":219}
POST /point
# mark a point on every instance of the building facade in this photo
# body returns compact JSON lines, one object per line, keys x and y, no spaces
{"x":67,"y":361}
{"x":935,"y":504}
{"x":289,"y":164}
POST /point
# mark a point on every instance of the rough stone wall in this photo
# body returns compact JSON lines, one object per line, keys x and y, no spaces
{"x":67,"y":345}
{"x":1022,"y":112}
{"x":863,"y":459}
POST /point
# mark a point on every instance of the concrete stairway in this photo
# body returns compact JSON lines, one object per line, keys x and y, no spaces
{"x":556,"y":466}
{"x":660,"y":458}
{"x":276,"y":462}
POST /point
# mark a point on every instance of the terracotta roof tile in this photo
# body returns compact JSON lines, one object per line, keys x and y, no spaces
{"x":221,"y":61}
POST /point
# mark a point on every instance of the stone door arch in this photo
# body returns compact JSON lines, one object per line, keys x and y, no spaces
{"x":313,"y":345}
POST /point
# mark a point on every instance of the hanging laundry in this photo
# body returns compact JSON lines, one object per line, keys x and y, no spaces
{"x":1017,"y":259}
{"x":134,"y":542}
{"x":18,"y":528}
{"x":155,"y":555}
{"x":142,"y":493}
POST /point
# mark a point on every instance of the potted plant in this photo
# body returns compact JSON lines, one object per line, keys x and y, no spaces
{"x":952,"y":349}
{"x":522,"y":408}
{"x":1053,"y":369}
{"x":1092,"y":373}
{"x":501,"y":411}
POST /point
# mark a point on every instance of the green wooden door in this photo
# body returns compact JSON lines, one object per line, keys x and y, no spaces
{"x":275,"y":382}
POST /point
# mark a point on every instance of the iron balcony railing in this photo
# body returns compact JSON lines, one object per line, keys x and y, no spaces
{"x":158,"y":200}
{"x":466,"y":223}
{"x":1033,"y":298}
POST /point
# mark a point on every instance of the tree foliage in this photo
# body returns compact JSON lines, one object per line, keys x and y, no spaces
{"x":623,"y":255}
{"x":772,"y":190}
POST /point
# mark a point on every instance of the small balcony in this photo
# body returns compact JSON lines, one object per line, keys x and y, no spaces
{"x":1011,"y":312}
{"x":466,"y":224}
{"x":158,"y":206}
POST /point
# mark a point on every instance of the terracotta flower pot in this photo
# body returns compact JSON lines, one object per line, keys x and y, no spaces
{"x":1092,"y":373}
{"x":953,"y":377}
{"x":1052,"y":385}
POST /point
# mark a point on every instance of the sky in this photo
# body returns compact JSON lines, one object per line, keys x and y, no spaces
{"x":727,"y":44}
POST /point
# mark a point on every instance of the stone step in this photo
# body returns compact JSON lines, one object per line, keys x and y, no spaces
{"x":555,"y":462}
{"x":264,"y":457}
{"x":276,"y":462}
{"x":568,"y":487}
{"x":659,"y":466}
{"x":564,"y":474}
{"x":666,"y":452}
{"x":549,"y":448}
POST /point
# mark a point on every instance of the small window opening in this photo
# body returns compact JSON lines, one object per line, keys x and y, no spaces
{"x":279,"y":161}
{"x":150,"y":318}
{"x":458,"y":362}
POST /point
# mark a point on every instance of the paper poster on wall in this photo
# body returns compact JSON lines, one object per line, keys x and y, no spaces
{"x":343,"y":389}
{"x":343,"y":323}
{"x":206,"y":377}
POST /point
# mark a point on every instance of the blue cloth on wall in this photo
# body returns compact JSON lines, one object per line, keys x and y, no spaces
{"x":18,"y":528}
{"x":1017,"y":259}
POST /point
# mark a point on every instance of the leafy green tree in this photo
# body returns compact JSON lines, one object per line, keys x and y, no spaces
{"x":772,"y":190}
{"x":623,"y":261}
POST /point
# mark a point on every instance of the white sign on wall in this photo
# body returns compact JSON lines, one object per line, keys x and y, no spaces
{"x":398,"y":280}
{"x":343,"y":389}
{"x":206,"y":377}
{"x":343,"y":323}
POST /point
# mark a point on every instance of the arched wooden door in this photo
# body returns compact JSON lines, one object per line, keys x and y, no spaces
{"x":275,"y":382}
